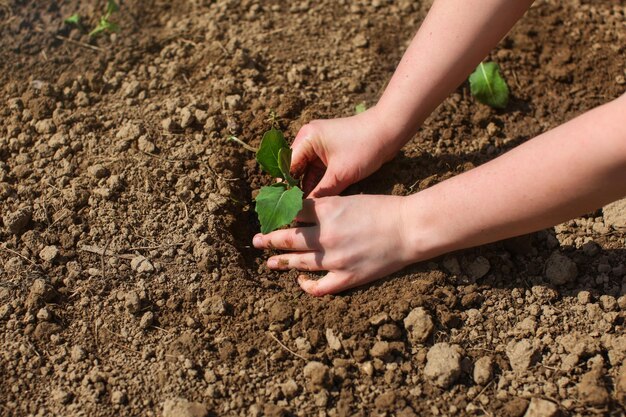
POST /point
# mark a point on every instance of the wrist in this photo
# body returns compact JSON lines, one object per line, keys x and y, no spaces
{"x":422,"y":231}
{"x":392,"y":136}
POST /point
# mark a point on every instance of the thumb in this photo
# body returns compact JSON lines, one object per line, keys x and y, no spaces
{"x":303,"y":148}
{"x":330,"y":184}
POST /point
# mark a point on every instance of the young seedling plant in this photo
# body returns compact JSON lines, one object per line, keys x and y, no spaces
{"x":104,"y":23}
{"x":488,"y":86}
{"x":279,"y":203}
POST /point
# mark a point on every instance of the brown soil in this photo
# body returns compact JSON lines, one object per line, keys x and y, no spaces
{"x":127,"y":280}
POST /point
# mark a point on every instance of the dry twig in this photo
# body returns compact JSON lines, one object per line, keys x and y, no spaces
{"x":286,"y":348}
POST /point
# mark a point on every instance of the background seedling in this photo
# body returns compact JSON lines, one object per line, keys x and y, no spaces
{"x":74,"y":20}
{"x":360,"y":108}
{"x":488,"y":86}
{"x":104,"y":24}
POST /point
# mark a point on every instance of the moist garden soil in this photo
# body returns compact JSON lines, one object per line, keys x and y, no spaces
{"x":128,"y":285}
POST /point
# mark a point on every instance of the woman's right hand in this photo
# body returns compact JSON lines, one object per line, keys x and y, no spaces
{"x":332,"y":154}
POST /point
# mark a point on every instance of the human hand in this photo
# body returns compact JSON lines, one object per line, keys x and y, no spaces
{"x":335,"y":153}
{"x":358,"y":239}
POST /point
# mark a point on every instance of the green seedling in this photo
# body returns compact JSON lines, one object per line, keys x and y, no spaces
{"x":360,"y":108}
{"x":488,"y":86}
{"x":278,"y":204}
{"x":74,"y":20}
{"x":104,"y":24}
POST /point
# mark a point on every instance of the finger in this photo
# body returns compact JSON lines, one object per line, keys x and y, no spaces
{"x":296,"y":239}
{"x":307,"y":214}
{"x":303,"y":150}
{"x":332,"y":283}
{"x":312,"y":176}
{"x":329,"y":185}
{"x":303,"y":261}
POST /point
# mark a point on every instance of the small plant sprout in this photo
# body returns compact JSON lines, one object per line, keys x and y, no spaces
{"x":74,"y":19}
{"x":360,"y":108}
{"x":488,"y":86}
{"x":104,"y":24}
{"x":279,"y":203}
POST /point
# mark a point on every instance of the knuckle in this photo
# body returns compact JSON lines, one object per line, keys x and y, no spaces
{"x":288,"y":241}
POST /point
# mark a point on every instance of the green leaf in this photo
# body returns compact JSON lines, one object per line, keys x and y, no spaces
{"x":112,"y":7}
{"x":284,"y":164}
{"x":267,"y":156}
{"x":73,"y":19}
{"x":277,"y":205}
{"x":488,"y":86}
{"x":104,"y":25}
{"x":360,"y":108}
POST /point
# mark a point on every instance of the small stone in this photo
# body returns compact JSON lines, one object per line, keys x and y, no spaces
{"x":419,"y":325}
{"x":180,"y":407}
{"x":492,"y":129}
{"x":130,"y":89}
{"x":584,"y":297}
{"x":45,"y":126}
{"x":483,"y":370}
{"x":98,"y":171}
{"x":118,"y":397}
{"x":61,"y":396}
{"x":233,"y":102}
{"x":77,"y":354}
{"x":608,"y":302}
{"x":141,"y":265}
{"x":614,"y":214}
{"x":522,"y":355}
{"x":379,"y":319}
{"x":17,"y":221}
{"x":443,"y":364}
{"x":478,"y":268}
{"x":316,"y":375}
{"x":451,"y":264}
{"x":213,"y":306}
{"x":132,"y":302}
{"x":209,"y":376}
{"x":389,"y":331}
{"x":289,"y":388}
{"x":591,"y":248}
{"x":542,"y":408}
{"x":49,"y":253}
{"x":386,"y":401}
{"x":44,"y":314}
{"x":82,"y":99}
{"x":146,"y":320}
{"x":334,"y":342}
{"x":381,"y":349}
{"x":560,"y":269}
{"x":186,"y":117}
{"x":145,"y":145}
{"x":130,"y":131}
{"x":360,"y":41}
{"x":591,"y":390}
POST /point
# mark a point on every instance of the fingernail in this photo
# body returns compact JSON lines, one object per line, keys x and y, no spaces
{"x":257,"y":241}
{"x":272,"y":263}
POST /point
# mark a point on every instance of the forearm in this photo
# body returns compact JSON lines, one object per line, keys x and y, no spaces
{"x":566,"y":172}
{"x":451,"y":42}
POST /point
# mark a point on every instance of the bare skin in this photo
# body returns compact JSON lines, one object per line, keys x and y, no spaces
{"x":563,"y":173}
